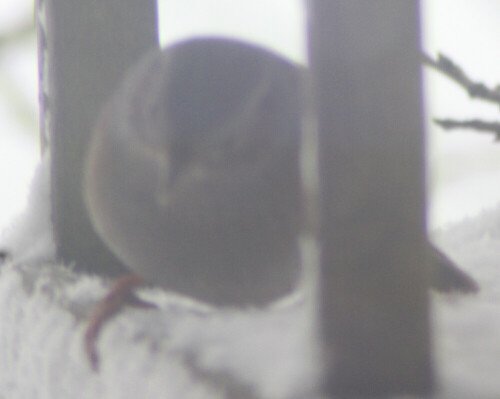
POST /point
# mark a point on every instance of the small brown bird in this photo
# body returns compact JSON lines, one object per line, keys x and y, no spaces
{"x":192,"y":176}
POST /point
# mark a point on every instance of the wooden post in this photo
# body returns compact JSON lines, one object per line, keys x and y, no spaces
{"x":85,"y":47}
{"x":373,"y":298}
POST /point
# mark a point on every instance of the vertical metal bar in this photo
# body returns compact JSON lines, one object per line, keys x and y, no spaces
{"x":374,"y":305}
{"x":85,"y":47}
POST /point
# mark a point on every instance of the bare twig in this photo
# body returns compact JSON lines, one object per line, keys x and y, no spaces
{"x":474,"y":124}
{"x":447,"y":67}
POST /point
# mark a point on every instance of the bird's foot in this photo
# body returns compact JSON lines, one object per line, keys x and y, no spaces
{"x":120,"y":294}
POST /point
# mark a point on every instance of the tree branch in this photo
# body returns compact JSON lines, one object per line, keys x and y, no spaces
{"x":447,"y":67}
{"x":474,"y":124}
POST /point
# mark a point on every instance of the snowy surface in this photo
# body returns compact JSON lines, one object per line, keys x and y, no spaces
{"x":182,"y":350}
{"x":188,"y":350}
{"x":467,"y":328}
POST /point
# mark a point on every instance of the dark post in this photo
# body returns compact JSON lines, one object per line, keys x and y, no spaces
{"x":85,"y":47}
{"x":374,"y":306}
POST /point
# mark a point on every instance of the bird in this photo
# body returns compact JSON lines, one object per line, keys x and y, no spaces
{"x":192,"y":176}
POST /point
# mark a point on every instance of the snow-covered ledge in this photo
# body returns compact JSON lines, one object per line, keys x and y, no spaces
{"x":467,"y":328}
{"x":183,"y":350}
{"x":187,"y":350}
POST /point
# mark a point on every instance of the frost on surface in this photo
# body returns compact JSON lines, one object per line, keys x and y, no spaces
{"x":183,"y":350}
{"x":467,"y":328}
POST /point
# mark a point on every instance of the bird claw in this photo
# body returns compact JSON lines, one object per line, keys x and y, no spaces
{"x":120,"y":294}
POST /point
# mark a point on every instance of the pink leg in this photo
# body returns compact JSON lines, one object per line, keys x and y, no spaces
{"x":121,"y":294}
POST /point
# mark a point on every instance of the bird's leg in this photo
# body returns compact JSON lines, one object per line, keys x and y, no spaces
{"x":120,"y":294}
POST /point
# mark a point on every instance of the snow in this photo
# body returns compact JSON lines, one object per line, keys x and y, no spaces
{"x":183,"y":350}
{"x":190,"y":350}
{"x":467,"y":329}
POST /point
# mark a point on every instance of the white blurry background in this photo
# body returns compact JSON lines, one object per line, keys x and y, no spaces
{"x":18,"y":108}
{"x":464,"y":167}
